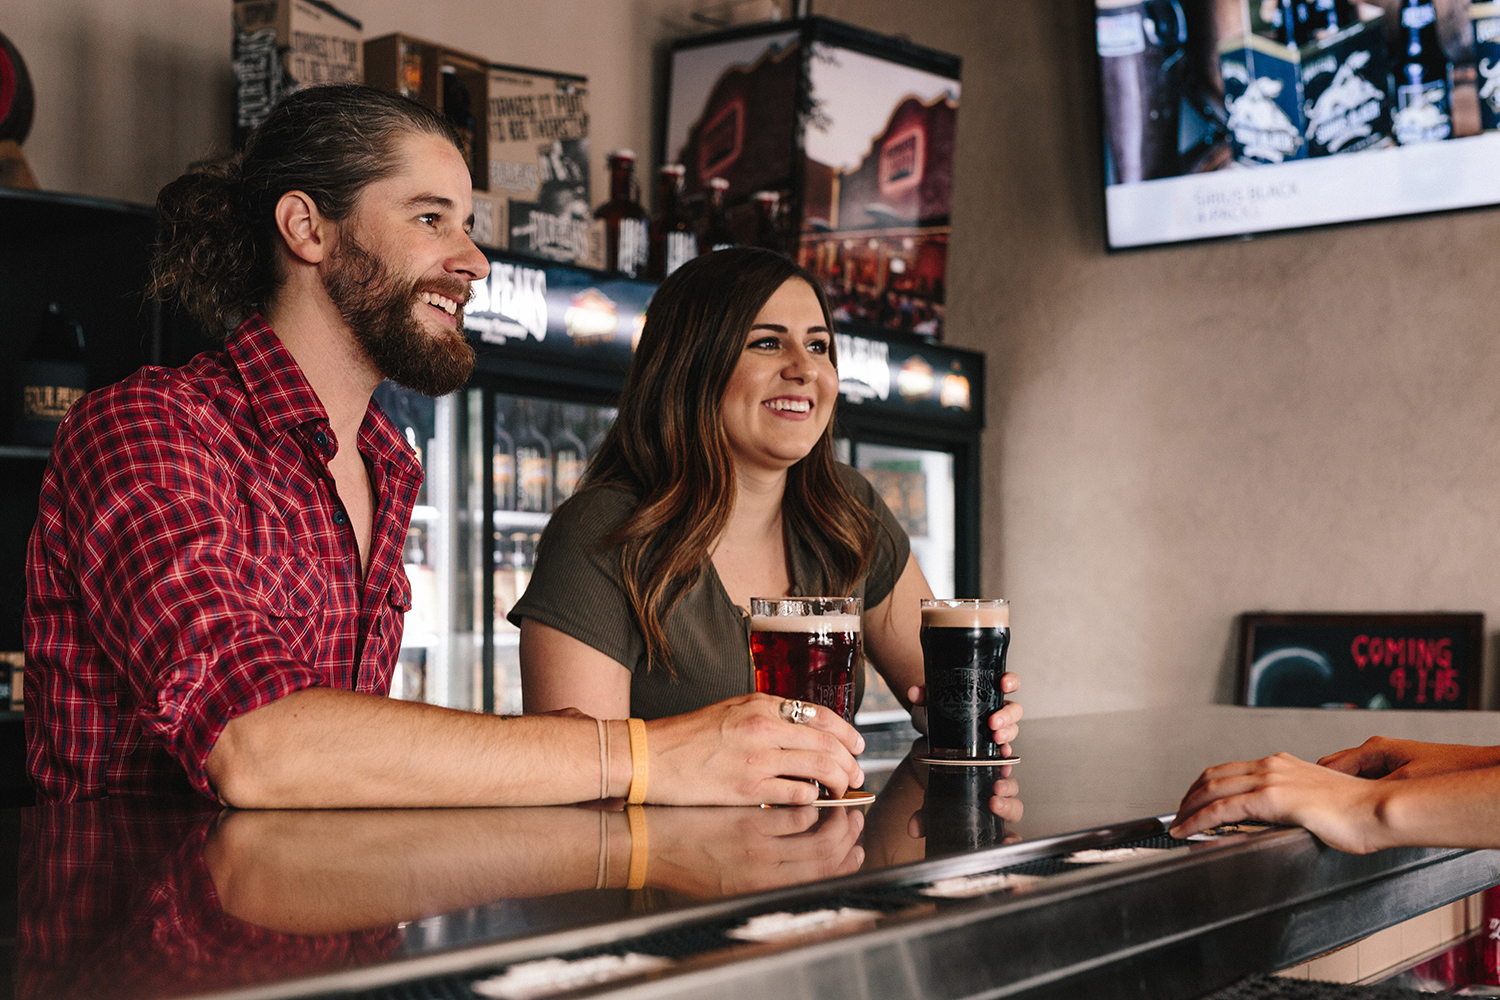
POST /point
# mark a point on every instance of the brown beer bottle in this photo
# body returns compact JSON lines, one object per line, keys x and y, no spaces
{"x":673,"y":242}
{"x":767,"y":230}
{"x":718,"y":234}
{"x":569,"y":455}
{"x":626,"y":242}
{"x":533,"y":464}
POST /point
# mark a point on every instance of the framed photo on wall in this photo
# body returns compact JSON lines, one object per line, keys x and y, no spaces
{"x":1426,"y":661}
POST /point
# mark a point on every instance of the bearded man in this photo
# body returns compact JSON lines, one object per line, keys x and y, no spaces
{"x":215,"y":594}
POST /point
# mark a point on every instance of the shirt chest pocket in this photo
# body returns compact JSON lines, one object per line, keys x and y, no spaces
{"x":295,"y":600}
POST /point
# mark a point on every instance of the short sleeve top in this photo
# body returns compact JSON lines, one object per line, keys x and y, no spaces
{"x":576,"y":589}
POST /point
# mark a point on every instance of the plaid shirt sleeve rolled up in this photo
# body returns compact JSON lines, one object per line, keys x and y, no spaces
{"x":191,"y":562}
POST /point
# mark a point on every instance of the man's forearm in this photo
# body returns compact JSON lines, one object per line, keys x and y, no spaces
{"x":326,"y":748}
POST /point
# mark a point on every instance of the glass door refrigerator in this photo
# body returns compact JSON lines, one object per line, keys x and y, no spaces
{"x":554,"y":342}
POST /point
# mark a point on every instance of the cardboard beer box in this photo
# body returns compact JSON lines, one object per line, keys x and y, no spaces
{"x":456,"y":85}
{"x":1346,"y":99}
{"x":281,"y":46}
{"x":1329,"y":96}
{"x":1486,"y":20}
{"x":539,"y":165}
{"x":1263,"y":95}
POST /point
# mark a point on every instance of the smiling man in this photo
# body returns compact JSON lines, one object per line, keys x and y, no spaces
{"x":215,"y":594}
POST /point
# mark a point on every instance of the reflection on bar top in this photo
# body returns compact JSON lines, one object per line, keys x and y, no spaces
{"x":149,"y":898}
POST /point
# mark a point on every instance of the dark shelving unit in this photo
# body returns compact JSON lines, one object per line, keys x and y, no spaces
{"x":92,"y":257}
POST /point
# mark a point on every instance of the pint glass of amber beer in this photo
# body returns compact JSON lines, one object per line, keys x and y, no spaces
{"x":963,"y":655}
{"x":807,"y":648}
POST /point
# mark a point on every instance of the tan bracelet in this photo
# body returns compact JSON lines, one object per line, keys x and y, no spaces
{"x":638,"y":770}
{"x":637,"y":817}
{"x":603,"y":759}
{"x":602,"y":874}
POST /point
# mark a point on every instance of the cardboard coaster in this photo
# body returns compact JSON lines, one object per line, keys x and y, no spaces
{"x":853,"y":797}
{"x":965,"y":761}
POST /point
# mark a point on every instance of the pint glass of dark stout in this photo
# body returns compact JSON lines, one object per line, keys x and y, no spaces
{"x":807,"y":648}
{"x":963,"y":655}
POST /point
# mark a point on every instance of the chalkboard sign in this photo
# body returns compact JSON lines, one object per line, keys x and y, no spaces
{"x":1408,"y":661}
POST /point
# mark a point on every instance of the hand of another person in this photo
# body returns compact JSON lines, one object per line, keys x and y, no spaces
{"x":1380,"y":757}
{"x":711,"y":853}
{"x":1006,"y":722}
{"x":1339,"y":809}
{"x":740,"y":751}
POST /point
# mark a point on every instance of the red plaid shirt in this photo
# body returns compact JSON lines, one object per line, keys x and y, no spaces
{"x":191,"y":561}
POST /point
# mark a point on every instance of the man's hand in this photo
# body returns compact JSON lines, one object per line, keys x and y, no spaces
{"x":1379,"y":757}
{"x":1005,"y":722}
{"x":740,"y":751}
{"x":1339,"y":809}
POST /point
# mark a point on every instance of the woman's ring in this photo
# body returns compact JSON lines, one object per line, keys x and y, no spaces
{"x":797,"y":712}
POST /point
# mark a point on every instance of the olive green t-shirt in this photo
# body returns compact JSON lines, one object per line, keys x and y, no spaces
{"x":575,"y":588}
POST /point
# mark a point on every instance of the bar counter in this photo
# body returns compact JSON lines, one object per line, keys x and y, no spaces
{"x":152,"y":899}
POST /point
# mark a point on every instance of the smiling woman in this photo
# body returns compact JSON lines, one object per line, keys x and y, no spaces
{"x":717,"y":484}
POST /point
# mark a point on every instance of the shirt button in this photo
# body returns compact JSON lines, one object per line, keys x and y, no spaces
{"x":340,"y":518}
{"x":320,"y":439}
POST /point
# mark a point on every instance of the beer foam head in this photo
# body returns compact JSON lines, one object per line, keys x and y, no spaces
{"x":983,"y":614}
{"x":804,"y":623}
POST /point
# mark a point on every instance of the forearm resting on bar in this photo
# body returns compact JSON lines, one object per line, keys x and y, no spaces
{"x":326,"y":748}
{"x":1359,"y":815}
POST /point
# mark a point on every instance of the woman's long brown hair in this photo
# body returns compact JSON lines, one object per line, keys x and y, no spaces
{"x":668,"y":446}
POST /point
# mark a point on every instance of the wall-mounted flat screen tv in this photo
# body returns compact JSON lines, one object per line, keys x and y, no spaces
{"x":1230,"y":117}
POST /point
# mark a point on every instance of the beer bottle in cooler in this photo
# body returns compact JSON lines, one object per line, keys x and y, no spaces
{"x":523,"y":555}
{"x":626,"y":236}
{"x":1422,"y":77}
{"x":406,"y":423}
{"x":673,"y":242}
{"x":422,"y":618}
{"x":568,"y":457}
{"x":718,"y":234}
{"x":51,"y":377}
{"x":533,"y":464}
{"x":503,"y":463}
{"x":600,"y":421}
{"x":505,"y":582}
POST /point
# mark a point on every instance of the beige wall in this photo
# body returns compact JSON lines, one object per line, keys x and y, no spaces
{"x":1306,"y":421}
{"x":131,"y":92}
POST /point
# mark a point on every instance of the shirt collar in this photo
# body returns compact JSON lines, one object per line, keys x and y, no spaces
{"x":282,"y":398}
{"x":280,"y":395}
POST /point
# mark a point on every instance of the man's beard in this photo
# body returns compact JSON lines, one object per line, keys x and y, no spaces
{"x":380,"y":310}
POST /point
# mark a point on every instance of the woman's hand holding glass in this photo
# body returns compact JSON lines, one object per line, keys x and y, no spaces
{"x":1005,"y":724}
